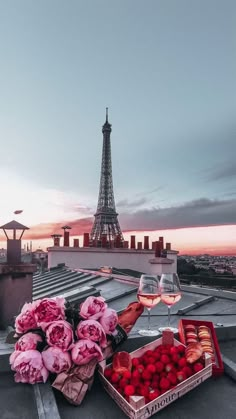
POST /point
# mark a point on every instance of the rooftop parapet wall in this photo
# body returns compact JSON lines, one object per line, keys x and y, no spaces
{"x":93,"y":258}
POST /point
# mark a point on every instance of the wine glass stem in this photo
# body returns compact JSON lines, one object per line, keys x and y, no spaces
{"x":148,"y":318}
{"x":168,"y":316}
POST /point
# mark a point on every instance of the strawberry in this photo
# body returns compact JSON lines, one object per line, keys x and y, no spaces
{"x":149,"y":353}
{"x":146,"y":375}
{"x":135,"y":362}
{"x":115,"y":378}
{"x":171,"y":376}
{"x":136,"y":374}
{"x":147,"y":383}
{"x":157,"y":356}
{"x":181,"y":376}
{"x":127,"y":374}
{"x":198,"y":367}
{"x":108,"y":372}
{"x":153,"y":394}
{"x":154,"y":384}
{"x":187,"y":370}
{"x":182,"y":362}
{"x":140,"y":368}
{"x":135,"y":381}
{"x":169,"y":367}
{"x":143,"y":391}
{"x":181,"y":349}
{"x":164,"y":384}
{"x":151,"y":360}
{"x":159,"y":366}
{"x":173,"y":350}
{"x":165,"y":359}
{"x":129,"y":390}
{"x":123,"y":382}
{"x":151,"y":368}
{"x":175,"y":357}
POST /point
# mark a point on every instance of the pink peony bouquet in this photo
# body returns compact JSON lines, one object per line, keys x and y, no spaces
{"x":54,"y":337}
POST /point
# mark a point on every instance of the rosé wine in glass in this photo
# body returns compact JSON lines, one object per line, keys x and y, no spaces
{"x":149,"y":300}
{"x":170,"y":294}
{"x":149,"y":295}
{"x":170,"y":299}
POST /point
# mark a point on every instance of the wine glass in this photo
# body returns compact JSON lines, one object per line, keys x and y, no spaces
{"x":149,"y":296}
{"x":170,"y":294}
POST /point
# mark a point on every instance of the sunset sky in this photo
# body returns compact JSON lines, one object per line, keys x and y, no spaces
{"x":166,"y":70}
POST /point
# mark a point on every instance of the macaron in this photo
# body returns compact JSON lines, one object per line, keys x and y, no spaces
{"x":191,"y":334}
{"x":189,"y":328}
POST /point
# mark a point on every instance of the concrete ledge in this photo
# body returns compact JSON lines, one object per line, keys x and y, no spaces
{"x":195,"y":305}
{"x":228,"y":295}
{"x":229,"y":367}
{"x":45,"y":401}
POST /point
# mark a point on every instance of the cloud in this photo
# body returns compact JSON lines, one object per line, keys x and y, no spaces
{"x":45,"y":230}
{"x":198,"y":213}
{"x":125,"y":203}
{"x":225,"y":172}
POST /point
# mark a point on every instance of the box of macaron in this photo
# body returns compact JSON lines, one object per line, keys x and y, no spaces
{"x":203,"y":332}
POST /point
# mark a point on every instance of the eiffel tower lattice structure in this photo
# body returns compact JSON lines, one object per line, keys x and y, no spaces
{"x":106,"y":231}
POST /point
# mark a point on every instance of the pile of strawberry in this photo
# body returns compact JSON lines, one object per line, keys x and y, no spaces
{"x":154,"y":373}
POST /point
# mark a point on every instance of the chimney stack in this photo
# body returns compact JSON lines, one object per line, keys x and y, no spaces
{"x":161,"y":241}
{"x":158,"y":249}
{"x":56,"y":239}
{"x":146,"y":242}
{"x":140,"y":245}
{"x":15,"y":276}
{"x":86,"y":240}
{"x":132,"y":242}
{"x":168,"y":246}
{"x":66,"y":236}
{"x":76,"y":242}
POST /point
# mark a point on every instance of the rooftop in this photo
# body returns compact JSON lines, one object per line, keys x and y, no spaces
{"x":218,"y":306}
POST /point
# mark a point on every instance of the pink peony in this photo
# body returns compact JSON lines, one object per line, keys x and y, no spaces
{"x":84,"y":351}
{"x":109,"y":321}
{"x":28,"y":341}
{"x":49,"y":309}
{"x":92,"y":330}
{"x":29,"y":367}
{"x":26,"y":319}
{"x":93,"y":308}
{"x":55,"y":360}
{"x":59,"y":333}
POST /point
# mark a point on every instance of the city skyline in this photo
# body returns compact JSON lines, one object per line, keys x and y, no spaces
{"x":167,"y":74}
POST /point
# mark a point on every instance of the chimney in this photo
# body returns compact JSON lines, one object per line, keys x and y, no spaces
{"x":153,"y":245}
{"x":158,"y":249}
{"x":66,"y":236}
{"x":161,"y":240}
{"x":56,"y":239}
{"x":104,"y":240}
{"x":117,"y":242}
{"x":146,"y":242}
{"x":140,"y":245}
{"x":132,"y":242}
{"x":168,"y":246}
{"x":76,"y":242}
{"x":126,"y":244}
{"x":15,"y":276}
{"x":86,"y":240}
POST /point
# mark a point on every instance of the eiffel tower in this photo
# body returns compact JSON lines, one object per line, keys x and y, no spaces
{"x":106,"y":231}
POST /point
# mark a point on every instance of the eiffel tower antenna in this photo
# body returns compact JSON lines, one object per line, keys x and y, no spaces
{"x":106,"y":231}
